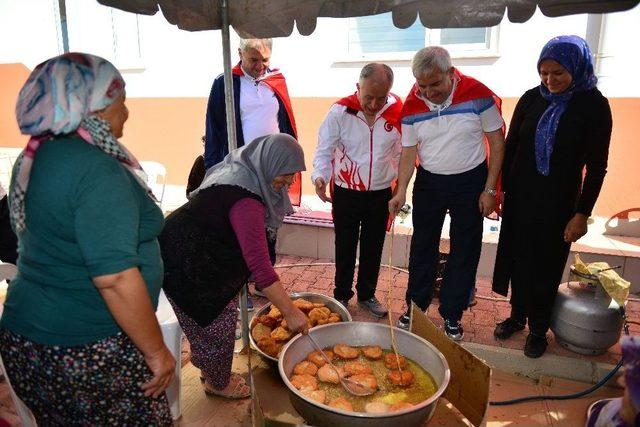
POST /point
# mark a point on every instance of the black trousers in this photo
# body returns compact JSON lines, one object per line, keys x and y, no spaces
{"x":359,"y":216}
{"x":433,"y":195}
{"x":537,"y":273}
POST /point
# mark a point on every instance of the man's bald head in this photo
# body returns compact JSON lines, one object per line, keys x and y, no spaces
{"x":373,"y":87}
{"x":381,"y":73}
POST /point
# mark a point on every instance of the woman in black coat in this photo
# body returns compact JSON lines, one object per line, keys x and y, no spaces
{"x":555,"y":162}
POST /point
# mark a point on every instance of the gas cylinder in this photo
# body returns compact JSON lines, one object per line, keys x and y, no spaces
{"x":585,"y":319}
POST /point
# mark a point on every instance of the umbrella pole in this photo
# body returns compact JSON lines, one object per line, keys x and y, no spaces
{"x":62,"y":8}
{"x":232,"y":139}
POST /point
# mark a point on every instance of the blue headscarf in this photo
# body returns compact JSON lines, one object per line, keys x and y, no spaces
{"x":572,"y":52}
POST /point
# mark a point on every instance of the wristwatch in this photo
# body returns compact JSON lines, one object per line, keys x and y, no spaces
{"x":491,"y":191}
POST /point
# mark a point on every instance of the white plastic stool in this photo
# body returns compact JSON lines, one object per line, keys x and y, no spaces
{"x":172,"y":335}
{"x":8,"y":272}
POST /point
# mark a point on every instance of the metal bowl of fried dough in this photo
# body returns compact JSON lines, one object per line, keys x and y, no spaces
{"x":268,"y":328}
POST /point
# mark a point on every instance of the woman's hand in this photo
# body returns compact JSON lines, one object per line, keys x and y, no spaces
{"x":576,"y":228}
{"x":297,"y":321}
{"x":163,"y":366}
{"x":127,"y":298}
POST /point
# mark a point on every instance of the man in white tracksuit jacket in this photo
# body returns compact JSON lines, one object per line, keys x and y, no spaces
{"x":359,"y":145}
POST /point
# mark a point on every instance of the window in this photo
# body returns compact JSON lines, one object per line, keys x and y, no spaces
{"x":369,"y":34}
{"x":375,"y":37}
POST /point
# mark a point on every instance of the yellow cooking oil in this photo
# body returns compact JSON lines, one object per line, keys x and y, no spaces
{"x":422,"y":388}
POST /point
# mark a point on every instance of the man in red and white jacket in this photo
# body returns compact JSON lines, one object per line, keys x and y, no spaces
{"x":446,"y":119}
{"x":359,"y":145}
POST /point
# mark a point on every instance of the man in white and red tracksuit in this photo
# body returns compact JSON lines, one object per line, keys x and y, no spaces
{"x":358,"y":150}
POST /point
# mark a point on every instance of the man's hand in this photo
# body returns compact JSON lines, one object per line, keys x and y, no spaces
{"x":576,"y":228}
{"x":486,"y":203}
{"x":321,"y":190}
{"x":397,"y":202}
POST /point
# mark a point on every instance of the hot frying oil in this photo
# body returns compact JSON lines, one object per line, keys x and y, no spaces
{"x":422,"y":388}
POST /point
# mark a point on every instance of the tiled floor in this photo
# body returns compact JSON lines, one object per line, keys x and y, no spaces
{"x":478,"y":322}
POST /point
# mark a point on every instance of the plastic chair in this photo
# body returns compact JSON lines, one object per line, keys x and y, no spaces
{"x":172,"y":335}
{"x":156,"y":178}
{"x":6,"y":166}
{"x":8,"y":272}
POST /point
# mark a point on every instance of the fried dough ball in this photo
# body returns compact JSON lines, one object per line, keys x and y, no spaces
{"x":355,"y":367}
{"x":402,"y":379}
{"x":334,"y":318}
{"x":318,"y":304}
{"x":321,"y":322}
{"x":268,"y":321}
{"x":275,"y":313}
{"x":269,"y":346}
{"x":281,"y":334}
{"x":372,"y":352}
{"x":327,"y":374}
{"x":341,"y":403}
{"x":376,"y":408}
{"x":319,"y":396}
{"x":305,"y":367}
{"x":344,"y":351}
{"x":316,"y":358}
{"x":304,"y":382}
{"x":391,"y":362}
{"x":320,"y":313}
{"x":260,"y":331}
{"x":400,"y":406}
{"x":366,"y":380}
{"x":303,"y":304}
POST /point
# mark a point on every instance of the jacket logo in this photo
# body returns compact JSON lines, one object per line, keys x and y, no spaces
{"x":388,"y":126}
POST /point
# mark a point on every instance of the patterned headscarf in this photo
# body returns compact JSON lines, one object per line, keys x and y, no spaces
{"x":254,"y":166}
{"x":60,"y":98}
{"x":572,"y":52}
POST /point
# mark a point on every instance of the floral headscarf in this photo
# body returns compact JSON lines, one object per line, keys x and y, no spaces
{"x":60,"y":98}
{"x":572,"y":52}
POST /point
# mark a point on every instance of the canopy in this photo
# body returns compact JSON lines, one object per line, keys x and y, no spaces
{"x":276,"y":18}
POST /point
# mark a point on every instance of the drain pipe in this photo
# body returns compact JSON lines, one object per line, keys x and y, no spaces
{"x":595,"y":34}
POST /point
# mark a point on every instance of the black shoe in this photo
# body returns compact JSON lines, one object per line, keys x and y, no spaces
{"x":404,"y":321}
{"x":535,"y":346}
{"x":507,"y":328}
{"x":453,"y":329}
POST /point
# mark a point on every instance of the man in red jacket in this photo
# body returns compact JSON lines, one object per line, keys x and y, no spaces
{"x":357,"y":154}
{"x":448,"y":120}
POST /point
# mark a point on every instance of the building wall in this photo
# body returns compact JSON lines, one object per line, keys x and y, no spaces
{"x":167,"y":86}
